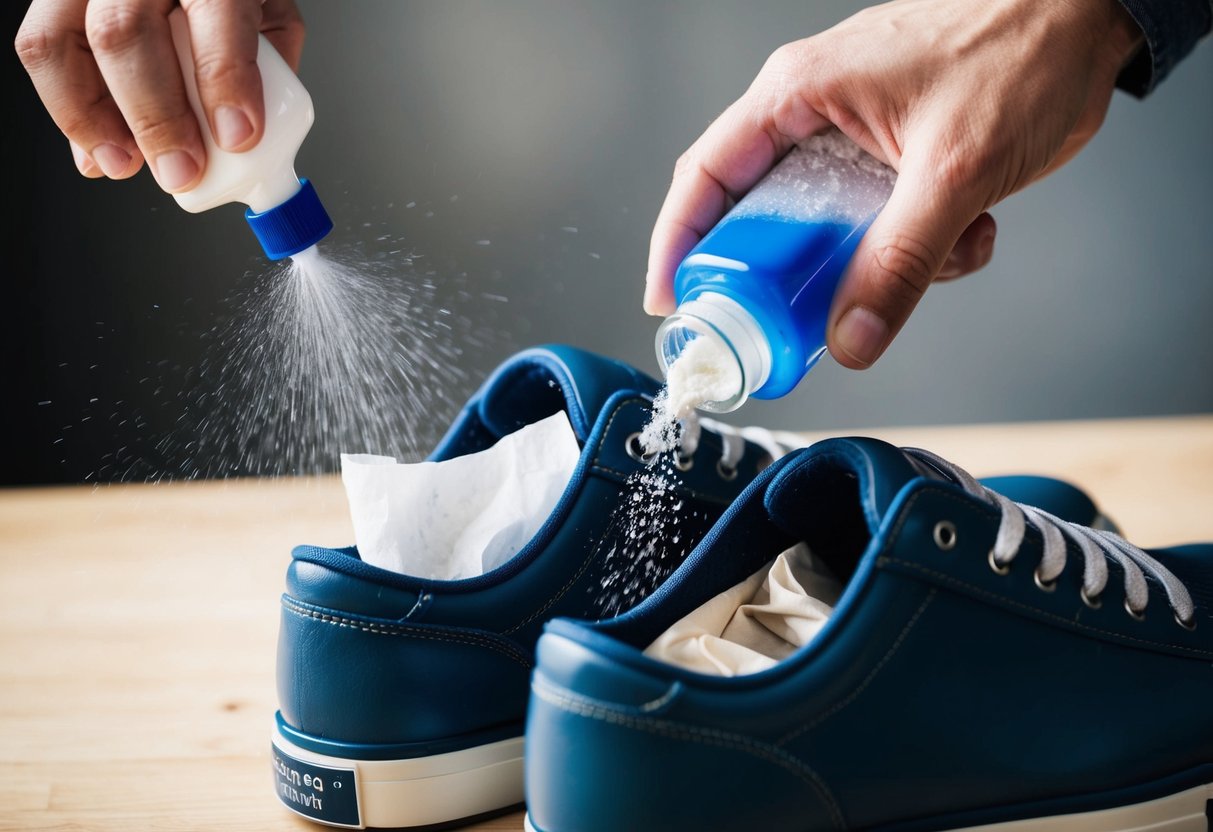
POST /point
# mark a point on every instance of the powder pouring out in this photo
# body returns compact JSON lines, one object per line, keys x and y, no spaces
{"x":705,"y":371}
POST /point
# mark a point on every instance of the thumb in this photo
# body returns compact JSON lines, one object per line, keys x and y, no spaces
{"x":901,"y":253}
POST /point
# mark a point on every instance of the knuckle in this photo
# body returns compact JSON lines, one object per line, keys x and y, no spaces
{"x":797,"y":83}
{"x":962,"y":161}
{"x":782,"y":70}
{"x":684,"y":164}
{"x":219,"y":71}
{"x":161,"y":129}
{"x":113,"y":27}
{"x":904,"y":267}
{"x":36,"y":46}
{"x":790,"y":112}
{"x":778,"y":93}
{"x":76,"y":122}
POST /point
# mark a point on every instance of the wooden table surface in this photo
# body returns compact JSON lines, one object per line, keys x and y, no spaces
{"x":138,"y":622}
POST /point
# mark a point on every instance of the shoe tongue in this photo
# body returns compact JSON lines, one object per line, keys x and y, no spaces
{"x":541,"y":381}
{"x":840,"y":478}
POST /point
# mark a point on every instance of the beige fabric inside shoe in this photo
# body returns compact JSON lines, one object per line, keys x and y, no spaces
{"x":757,"y":623}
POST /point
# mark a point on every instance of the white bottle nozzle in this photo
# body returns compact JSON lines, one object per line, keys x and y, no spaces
{"x":715,"y":316}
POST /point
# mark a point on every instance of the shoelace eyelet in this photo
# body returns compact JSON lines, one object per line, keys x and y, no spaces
{"x":1137,"y":565}
{"x":999,"y":568}
{"x":1136,"y":616}
{"x":1042,"y":584}
{"x":726,"y":474}
{"x":1092,"y":601}
{"x":684,"y":463}
{"x":636,"y":450}
{"x":945,"y":535}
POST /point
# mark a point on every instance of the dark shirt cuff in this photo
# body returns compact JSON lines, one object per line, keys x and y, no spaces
{"x":1171,"y":28}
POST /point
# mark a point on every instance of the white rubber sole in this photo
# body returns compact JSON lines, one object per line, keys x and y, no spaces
{"x":398,"y":793}
{"x":1181,"y":812}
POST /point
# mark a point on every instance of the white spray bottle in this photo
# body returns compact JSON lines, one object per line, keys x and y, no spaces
{"x":283,"y":210}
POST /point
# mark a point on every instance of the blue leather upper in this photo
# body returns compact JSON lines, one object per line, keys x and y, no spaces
{"x":375,"y":664}
{"x":940,"y":694}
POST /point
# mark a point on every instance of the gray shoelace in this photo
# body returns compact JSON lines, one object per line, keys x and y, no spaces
{"x":1096,"y":547}
{"x":733,"y":440}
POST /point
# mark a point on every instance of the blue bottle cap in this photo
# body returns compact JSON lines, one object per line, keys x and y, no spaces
{"x":296,"y":224}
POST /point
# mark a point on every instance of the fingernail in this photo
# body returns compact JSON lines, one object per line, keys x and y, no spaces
{"x":112,"y":160}
{"x":232,"y":127}
{"x":79,"y":156}
{"x":862,"y":334}
{"x":175,"y":170}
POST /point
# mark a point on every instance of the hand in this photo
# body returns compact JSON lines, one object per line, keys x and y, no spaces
{"x":109,"y":76}
{"x":970,"y":102}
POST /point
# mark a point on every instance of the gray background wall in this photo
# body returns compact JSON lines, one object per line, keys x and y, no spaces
{"x":507,"y":122}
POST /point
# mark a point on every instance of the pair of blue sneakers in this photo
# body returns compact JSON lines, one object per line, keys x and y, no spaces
{"x":989,"y":664}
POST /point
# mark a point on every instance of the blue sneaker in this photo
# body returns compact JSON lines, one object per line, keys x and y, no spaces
{"x":402,"y":700}
{"x":987,"y":666}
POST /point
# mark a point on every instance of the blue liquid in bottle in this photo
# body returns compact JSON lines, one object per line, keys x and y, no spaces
{"x":763,"y":280}
{"x":786,"y":275}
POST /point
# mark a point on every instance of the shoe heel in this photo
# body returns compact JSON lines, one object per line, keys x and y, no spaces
{"x":392,"y":794}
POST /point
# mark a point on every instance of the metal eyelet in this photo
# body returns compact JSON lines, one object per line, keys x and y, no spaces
{"x":683,"y":463}
{"x":1092,"y":601}
{"x":1136,"y":616}
{"x":1042,"y":584}
{"x":945,"y":535}
{"x":636,"y":450}
{"x":726,"y":474}
{"x":1187,"y":625}
{"x":999,"y":568}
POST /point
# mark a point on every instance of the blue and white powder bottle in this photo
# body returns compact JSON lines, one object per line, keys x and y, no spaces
{"x":284,"y":211}
{"x":756,"y":291}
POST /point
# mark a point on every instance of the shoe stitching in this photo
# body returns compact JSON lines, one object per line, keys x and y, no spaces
{"x":384,"y":629}
{"x":560,"y":593}
{"x":606,"y":431}
{"x":947,"y":578}
{"x":853,"y":695}
{"x":705,"y":736}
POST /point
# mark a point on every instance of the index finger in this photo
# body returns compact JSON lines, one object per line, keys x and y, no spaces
{"x":52,"y":47}
{"x":134,"y":50}
{"x":736,"y":150}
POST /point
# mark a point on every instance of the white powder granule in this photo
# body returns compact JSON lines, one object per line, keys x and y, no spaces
{"x":705,"y":371}
{"x":826,"y":177}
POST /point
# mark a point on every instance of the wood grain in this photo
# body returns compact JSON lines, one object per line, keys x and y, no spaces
{"x":138,"y":622}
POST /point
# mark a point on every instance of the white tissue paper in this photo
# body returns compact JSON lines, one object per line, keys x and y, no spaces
{"x":757,"y":623}
{"x":464,"y":516}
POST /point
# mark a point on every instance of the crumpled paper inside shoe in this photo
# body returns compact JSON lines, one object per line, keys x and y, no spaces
{"x":757,"y":623}
{"x":460,"y":517}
